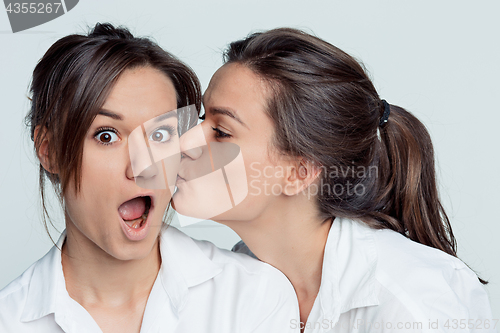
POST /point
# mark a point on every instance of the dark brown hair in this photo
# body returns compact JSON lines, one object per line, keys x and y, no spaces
{"x":325,"y":108}
{"x":71,"y":83}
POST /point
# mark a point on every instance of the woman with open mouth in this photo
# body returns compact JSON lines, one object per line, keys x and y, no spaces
{"x":107,"y":110}
{"x":338,"y":189}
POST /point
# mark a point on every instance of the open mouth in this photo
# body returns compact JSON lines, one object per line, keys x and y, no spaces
{"x":135,"y":211}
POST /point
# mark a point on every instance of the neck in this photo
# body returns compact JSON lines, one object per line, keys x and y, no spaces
{"x":291,"y":237}
{"x":94,"y":278}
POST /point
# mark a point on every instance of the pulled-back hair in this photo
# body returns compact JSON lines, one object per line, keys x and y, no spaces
{"x":71,"y":83}
{"x":325,"y":108}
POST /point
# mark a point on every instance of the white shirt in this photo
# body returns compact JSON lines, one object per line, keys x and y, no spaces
{"x":381,"y":281}
{"x":199,"y":288}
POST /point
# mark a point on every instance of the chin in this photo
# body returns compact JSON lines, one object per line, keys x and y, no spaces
{"x":133,"y":251}
{"x":199,"y":203}
{"x":183,"y":206}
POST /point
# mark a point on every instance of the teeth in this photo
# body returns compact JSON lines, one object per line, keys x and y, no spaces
{"x":140,"y":221}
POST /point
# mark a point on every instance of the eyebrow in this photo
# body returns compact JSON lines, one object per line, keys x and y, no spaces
{"x":227,"y":112}
{"x":110,"y":114}
{"x":164,"y":116}
{"x":117,"y":116}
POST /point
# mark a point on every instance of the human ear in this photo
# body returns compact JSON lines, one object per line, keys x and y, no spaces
{"x":300,"y":175}
{"x":42,"y":146}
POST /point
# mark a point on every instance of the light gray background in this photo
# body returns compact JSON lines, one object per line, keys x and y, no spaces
{"x":438,"y":59}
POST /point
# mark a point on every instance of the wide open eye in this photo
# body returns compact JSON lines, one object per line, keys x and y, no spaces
{"x":161,"y":135}
{"x":106,"y":137}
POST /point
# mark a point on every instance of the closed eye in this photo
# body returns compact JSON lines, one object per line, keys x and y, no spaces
{"x":220,"y":134}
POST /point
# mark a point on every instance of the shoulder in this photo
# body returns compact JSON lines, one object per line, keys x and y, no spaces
{"x":266,"y":278}
{"x":236,"y":270}
{"x":12,"y":300}
{"x":250,"y":292}
{"x":426,"y":281}
{"x":407,"y":260}
{"x":26,"y":301}
{"x":17,"y":289}
{"x":240,"y":261}
{"x":400,"y":255}
{"x":246,"y":268}
{"x":265,"y":297}
{"x":230,"y":261}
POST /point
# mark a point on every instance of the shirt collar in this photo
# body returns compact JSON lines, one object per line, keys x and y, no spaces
{"x":46,"y":284}
{"x":184,"y":265}
{"x":349,"y":267}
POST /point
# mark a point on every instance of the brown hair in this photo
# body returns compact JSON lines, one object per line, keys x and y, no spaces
{"x":325,"y":108}
{"x":71,"y":83}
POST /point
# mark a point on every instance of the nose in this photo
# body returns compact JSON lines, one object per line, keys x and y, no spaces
{"x":141,"y":163}
{"x":150,"y":172}
{"x":148,"y":168}
{"x":192,"y":141}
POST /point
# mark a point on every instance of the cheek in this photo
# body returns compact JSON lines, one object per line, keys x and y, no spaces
{"x":161,"y":175}
{"x":101,"y":176}
{"x":261,"y":172}
{"x":85,"y":207}
{"x":172,"y":164}
{"x":168,"y":168}
{"x":100,"y":172}
{"x":94,"y":204}
{"x":260,"y":180}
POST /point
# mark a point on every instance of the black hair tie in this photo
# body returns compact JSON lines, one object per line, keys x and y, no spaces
{"x":387,"y":112}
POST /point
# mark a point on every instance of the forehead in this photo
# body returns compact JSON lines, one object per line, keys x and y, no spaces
{"x":236,"y":86}
{"x":142,"y":92}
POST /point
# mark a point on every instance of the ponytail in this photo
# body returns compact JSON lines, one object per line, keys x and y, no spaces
{"x":410,"y":195}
